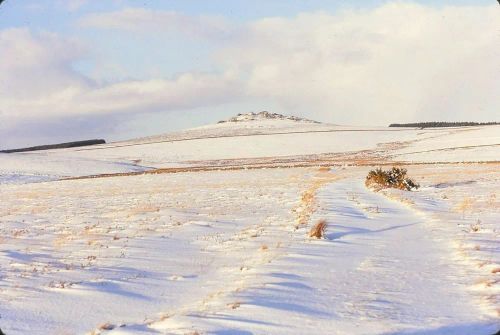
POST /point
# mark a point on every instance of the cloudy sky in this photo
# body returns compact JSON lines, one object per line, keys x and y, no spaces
{"x":116,"y":69}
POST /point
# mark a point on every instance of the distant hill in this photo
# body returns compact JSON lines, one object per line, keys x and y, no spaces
{"x":57,"y":146}
{"x":442,"y":124}
{"x":265,"y":115}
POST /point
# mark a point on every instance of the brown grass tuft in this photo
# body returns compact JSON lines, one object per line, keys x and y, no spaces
{"x":474,"y":228}
{"x":308,"y":203}
{"x":318,"y":230}
{"x":465,"y":205}
{"x":234,"y":305}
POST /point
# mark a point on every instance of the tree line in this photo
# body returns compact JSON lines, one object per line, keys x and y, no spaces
{"x":57,"y":146}
{"x":442,"y":124}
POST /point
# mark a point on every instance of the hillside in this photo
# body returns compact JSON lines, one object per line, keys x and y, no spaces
{"x":261,"y":140}
{"x":206,"y":231}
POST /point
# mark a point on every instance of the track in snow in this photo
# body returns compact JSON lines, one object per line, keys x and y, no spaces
{"x":184,"y":253}
{"x":378,"y":272}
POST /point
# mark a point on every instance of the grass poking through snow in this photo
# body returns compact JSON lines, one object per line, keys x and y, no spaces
{"x":318,"y":230}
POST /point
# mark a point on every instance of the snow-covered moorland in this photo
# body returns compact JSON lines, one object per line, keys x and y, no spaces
{"x":221,"y":246}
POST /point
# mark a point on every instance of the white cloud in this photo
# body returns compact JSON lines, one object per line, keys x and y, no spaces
{"x":33,"y":66}
{"x":188,"y":90}
{"x":145,"y":20}
{"x":399,"y":62}
{"x":73,"y":5}
{"x":37,"y":80}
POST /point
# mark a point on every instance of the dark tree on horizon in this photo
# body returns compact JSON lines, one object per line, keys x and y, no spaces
{"x":437,"y":124}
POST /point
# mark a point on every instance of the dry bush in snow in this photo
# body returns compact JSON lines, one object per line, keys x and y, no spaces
{"x":474,"y":228}
{"x":393,"y":178}
{"x":107,"y":326}
{"x":318,"y":230}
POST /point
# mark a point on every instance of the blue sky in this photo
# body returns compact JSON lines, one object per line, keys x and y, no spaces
{"x":118,"y":69}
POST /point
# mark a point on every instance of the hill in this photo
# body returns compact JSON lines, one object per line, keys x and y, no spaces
{"x":265,"y":115}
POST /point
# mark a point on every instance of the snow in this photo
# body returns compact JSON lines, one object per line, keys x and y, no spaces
{"x":462,"y":206}
{"x":228,"y":252}
{"x":84,"y":255}
{"x":40,"y":166}
{"x":351,"y":282}
{"x":259,"y":141}
{"x":192,"y":152}
{"x":459,"y":145}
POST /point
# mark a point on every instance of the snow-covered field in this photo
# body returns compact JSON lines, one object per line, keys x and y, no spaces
{"x":228,"y":252}
{"x":259,"y":142}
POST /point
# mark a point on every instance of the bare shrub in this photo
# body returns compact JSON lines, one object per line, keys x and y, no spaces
{"x":318,"y":230}
{"x":393,"y":178}
{"x":107,"y":326}
{"x":474,"y":228}
{"x":234,"y":305}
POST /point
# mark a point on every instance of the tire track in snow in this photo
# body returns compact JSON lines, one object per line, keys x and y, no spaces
{"x":378,"y":271}
{"x":400,"y":276}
